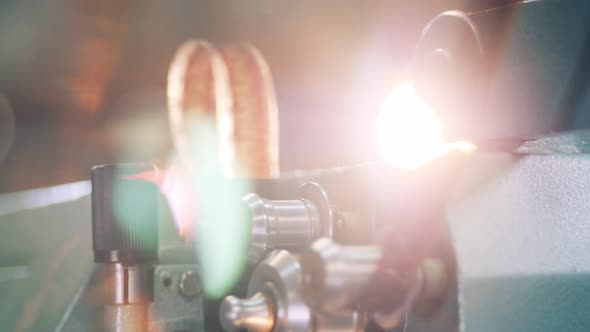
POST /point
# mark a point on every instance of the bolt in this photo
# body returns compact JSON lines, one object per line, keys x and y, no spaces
{"x":189,"y":284}
{"x":166,"y":278}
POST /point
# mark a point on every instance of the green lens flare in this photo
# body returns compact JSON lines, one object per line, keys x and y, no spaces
{"x":221,"y":227}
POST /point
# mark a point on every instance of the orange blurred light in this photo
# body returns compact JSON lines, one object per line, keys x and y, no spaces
{"x":409,"y":132}
{"x":174,"y":184}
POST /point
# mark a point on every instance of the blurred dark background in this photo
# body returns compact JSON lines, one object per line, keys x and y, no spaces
{"x":85,"y":79}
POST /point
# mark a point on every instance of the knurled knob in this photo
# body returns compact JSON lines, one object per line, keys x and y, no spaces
{"x":124,"y":214}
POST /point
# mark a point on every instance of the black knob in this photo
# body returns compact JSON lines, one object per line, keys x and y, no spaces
{"x":124,"y":214}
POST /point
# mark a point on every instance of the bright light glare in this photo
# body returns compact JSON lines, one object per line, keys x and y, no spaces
{"x":409,"y":132}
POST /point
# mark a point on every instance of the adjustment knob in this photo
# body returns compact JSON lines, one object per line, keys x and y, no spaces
{"x":124,"y":214}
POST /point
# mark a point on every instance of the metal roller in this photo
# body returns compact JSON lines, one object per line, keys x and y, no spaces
{"x":289,"y":224}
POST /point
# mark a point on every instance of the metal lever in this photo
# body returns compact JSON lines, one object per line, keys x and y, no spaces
{"x":275,"y":303}
{"x":334,"y":275}
{"x":255,"y":313}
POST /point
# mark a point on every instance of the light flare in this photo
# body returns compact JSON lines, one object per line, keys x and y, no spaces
{"x":410,"y":133}
{"x":207,"y":208}
{"x":174,"y":184}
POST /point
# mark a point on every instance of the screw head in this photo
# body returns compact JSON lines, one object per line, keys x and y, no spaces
{"x":166,"y":278}
{"x":189,"y":284}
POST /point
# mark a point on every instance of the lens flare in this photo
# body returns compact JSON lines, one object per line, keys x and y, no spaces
{"x":409,"y":132}
{"x":207,"y":209}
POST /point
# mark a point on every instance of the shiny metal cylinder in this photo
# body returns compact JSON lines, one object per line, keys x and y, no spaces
{"x":334,"y":275}
{"x":288,"y":224}
{"x":291,"y":223}
{"x":281,"y":224}
{"x":122,"y":285}
{"x":125,"y":293}
{"x":125,"y":318}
